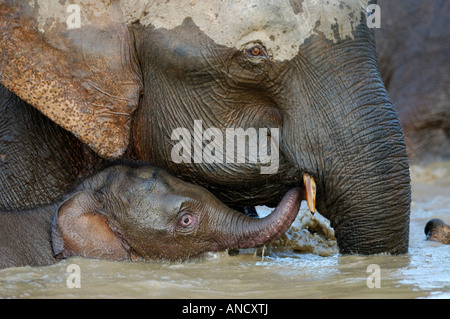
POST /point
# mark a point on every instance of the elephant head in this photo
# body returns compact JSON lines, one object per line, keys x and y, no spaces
{"x":131,"y":73}
{"x":132,"y":213}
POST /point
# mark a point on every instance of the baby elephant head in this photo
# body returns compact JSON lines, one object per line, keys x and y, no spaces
{"x":126,"y":213}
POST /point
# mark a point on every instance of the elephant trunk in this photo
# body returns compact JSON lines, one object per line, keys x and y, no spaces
{"x":350,"y":141}
{"x":242,"y":231}
{"x":368,"y":206}
{"x":364,"y":190}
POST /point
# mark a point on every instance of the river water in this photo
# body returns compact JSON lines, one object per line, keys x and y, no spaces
{"x":304,"y":264}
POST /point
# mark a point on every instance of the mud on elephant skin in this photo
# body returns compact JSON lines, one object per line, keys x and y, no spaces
{"x":136,"y":213}
{"x":413,"y":50}
{"x":136,"y":70}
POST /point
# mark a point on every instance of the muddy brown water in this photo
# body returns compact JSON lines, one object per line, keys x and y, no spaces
{"x":279,"y":272}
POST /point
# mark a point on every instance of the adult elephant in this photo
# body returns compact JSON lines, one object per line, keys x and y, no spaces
{"x":413,"y":51}
{"x":126,"y":75}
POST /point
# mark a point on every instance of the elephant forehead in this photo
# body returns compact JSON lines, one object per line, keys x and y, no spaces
{"x":281,"y":25}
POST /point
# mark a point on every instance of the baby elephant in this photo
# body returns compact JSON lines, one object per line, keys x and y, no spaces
{"x":136,"y":213}
{"x":437,"y":230}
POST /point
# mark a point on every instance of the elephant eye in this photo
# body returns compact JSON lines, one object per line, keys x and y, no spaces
{"x":256,"y":51}
{"x":187,"y":219}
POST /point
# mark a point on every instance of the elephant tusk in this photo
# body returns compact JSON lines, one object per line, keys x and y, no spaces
{"x":310,"y":191}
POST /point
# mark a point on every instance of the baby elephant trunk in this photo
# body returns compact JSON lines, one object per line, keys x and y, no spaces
{"x":247,"y":232}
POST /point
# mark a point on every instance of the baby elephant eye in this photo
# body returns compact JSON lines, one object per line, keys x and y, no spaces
{"x":187,"y":219}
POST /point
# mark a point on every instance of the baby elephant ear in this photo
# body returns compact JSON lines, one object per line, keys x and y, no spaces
{"x":74,"y":61}
{"x":80,"y":230}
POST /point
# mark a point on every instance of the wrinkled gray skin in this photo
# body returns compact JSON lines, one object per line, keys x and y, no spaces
{"x":129,"y":213}
{"x":124,"y":81}
{"x":413,"y":49}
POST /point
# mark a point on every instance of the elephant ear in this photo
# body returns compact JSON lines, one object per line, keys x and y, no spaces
{"x":73,"y":61}
{"x":79,"y":229}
